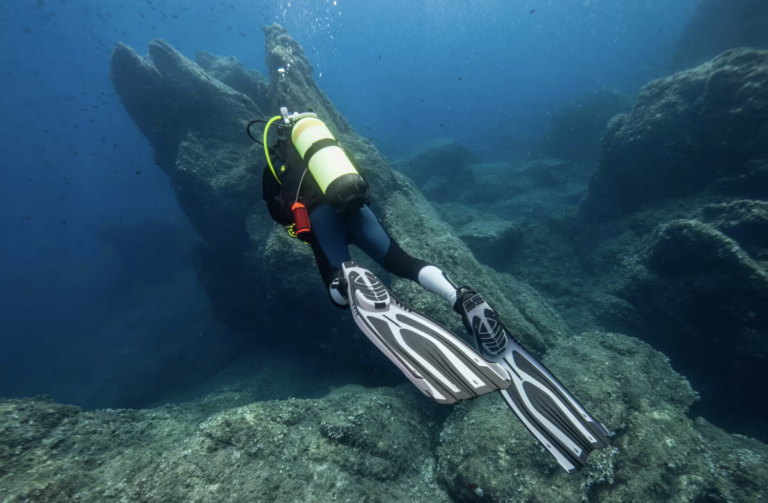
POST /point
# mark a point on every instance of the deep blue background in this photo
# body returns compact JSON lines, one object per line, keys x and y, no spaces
{"x":69,"y":153}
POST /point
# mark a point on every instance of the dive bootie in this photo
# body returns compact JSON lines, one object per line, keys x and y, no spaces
{"x":538,"y":399}
{"x":438,"y":362}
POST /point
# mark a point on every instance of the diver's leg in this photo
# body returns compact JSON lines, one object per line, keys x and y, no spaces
{"x":330,"y":247}
{"x":366,"y":232}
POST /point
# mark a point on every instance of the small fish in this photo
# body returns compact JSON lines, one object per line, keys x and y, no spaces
{"x":422,"y":101}
{"x":379,"y":56}
{"x":175,"y":16}
{"x":241,"y":33}
{"x":459,"y":78}
{"x":142,"y":15}
{"x":534,"y":10}
{"x":26,"y":30}
{"x":138,"y":172}
{"x":166,"y":17}
{"x":63,"y":222}
{"x":441,"y":124}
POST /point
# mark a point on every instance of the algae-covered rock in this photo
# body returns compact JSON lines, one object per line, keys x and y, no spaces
{"x":688,"y":247}
{"x":24,"y":424}
{"x":384,"y":445}
{"x":356,"y":445}
{"x":740,"y":467}
{"x":687,"y":133}
{"x":657,"y":454}
{"x":233,"y":73}
{"x":195,"y":124}
{"x":252,"y":272}
{"x":745,"y":221}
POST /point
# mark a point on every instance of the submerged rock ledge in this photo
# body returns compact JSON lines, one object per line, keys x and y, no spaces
{"x":384,"y":445}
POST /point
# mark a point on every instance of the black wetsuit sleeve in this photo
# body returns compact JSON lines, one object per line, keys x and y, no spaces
{"x":271,"y":194}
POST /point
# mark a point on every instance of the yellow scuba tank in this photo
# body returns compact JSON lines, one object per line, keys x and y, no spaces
{"x":333,"y":169}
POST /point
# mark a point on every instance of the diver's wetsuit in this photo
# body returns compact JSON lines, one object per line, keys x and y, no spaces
{"x":333,"y":232}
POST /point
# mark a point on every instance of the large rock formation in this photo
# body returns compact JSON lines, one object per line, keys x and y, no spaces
{"x":657,"y":455}
{"x":385,"y":445}
{"x":254,"y":272}
{"x":719,"y":25}
{"x":195,"y":124}
{"x":233,"y":73}
{"x":676,"y":225}
{"x":349,"y":446}
{"x":705,"y":128}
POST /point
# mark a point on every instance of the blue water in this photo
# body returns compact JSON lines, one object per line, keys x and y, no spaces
{"x":70,"y":155}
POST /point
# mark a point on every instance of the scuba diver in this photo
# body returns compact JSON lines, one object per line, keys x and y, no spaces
{"x":321,"y":195}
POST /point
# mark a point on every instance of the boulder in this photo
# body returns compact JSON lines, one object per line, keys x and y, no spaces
{"x":388,"y":445}
{"x":258,"y":279}
{"x":745,"y":221}
{"x":657,"y":453}
{"x":196,"y":125}
{"x":349,"y":446}
{"x":687,"y":133}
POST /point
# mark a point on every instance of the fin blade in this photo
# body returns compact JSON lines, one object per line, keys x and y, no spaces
{"x":557,"y":420}
{"x":439,"y":363}
{"x":550,"y":412}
